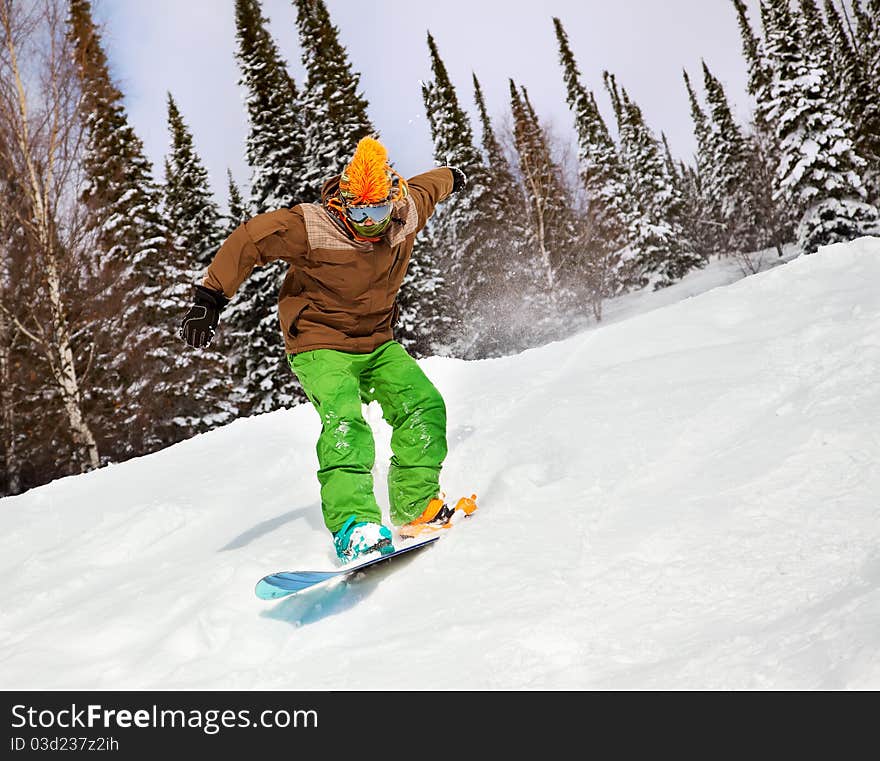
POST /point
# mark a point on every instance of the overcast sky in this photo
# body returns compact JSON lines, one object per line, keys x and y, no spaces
{"x":188,"y":48}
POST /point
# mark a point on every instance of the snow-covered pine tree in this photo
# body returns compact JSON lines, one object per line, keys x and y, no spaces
{"x":857,"y":90}
{"x":275,"y":154}
{"x":846,"y":66}
{"x":607,"y":200}
{"x":461,"y":217}
{"x":337,"y":113}
{"x":428,"y":323}
{"x":671,"y":167}
{"x":546,"y":197}
{"x":425,"y":326}
{"x":496,"y":162}
{"x":544,"y":284}
{"x":731,"y":172}
{"x":663,"y":252}
{"x":694,"y":206}
{"x":276,"y":141}
{"x":706,"y":225}
{"x":867,"y":36}
{"x":760,"y":75}
{"x":687,"y":183}
{"x":569,"y":232}
{"x":120,"y":188}
{"x":462,"y":224}
{"x":775,"y":215}
{"x":536,"y":173}
{"x":144,"y":393}
{"x":236,"y":208}
{"x":231,"y":340}
{"x":195,"y":225}
{"x":817,"y":36}
{"x":819,"y":168}
{"x":192,"y":214}
{"x":498,"y":324}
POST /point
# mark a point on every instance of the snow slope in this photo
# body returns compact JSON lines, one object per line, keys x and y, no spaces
{"x":684,"y":499}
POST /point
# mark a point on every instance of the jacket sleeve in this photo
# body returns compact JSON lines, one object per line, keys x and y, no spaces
{"x":265,"y":238}
{"x":428,"y":190}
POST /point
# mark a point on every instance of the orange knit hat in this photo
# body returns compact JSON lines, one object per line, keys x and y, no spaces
{"x":368,"y":179}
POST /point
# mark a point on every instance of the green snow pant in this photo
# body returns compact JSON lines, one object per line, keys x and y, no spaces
{"x":337,"y":383}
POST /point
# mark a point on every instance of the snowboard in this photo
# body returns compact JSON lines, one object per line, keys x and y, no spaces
{"x":287,"y":583}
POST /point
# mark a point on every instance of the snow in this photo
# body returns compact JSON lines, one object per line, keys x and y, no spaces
{"x":682,"y":498}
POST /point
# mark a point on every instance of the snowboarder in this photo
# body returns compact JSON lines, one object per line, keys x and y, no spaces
{"x":348,"y":256}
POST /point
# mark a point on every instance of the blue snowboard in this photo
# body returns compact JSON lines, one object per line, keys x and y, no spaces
{"x":286,"y":583}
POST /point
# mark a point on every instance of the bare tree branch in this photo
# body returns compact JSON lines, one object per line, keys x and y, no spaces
{"x":36,"y":140}
{"x":18,"y":324}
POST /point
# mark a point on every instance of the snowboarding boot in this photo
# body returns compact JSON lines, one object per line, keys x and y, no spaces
{"x":356,"y":538}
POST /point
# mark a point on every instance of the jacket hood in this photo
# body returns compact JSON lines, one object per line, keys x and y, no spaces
{"x":329,"y":189}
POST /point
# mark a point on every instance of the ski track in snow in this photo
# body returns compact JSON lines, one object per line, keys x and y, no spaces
{"x":684,"y":497}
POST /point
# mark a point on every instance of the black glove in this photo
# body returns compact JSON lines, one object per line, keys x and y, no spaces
{"x":201,"y":320}
{"x":459,"y":180}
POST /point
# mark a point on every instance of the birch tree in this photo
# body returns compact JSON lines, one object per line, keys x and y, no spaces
{"x":38,"y":113}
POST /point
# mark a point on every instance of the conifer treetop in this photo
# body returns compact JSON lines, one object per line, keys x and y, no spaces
{"x":192,"y":213}
{"x":494,"y":154}
{"x":275,"y":142}
{"x":119,"y":192}
{"x":337,"y":111}
{"x":453,"y":136}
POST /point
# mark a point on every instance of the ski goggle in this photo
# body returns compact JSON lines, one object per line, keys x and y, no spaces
{"x":360,"y":214}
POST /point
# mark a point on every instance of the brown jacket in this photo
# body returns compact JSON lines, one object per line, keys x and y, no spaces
{"x":338,"y":293}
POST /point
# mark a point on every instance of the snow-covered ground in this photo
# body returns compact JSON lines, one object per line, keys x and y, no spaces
{"x":685,"y":497}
